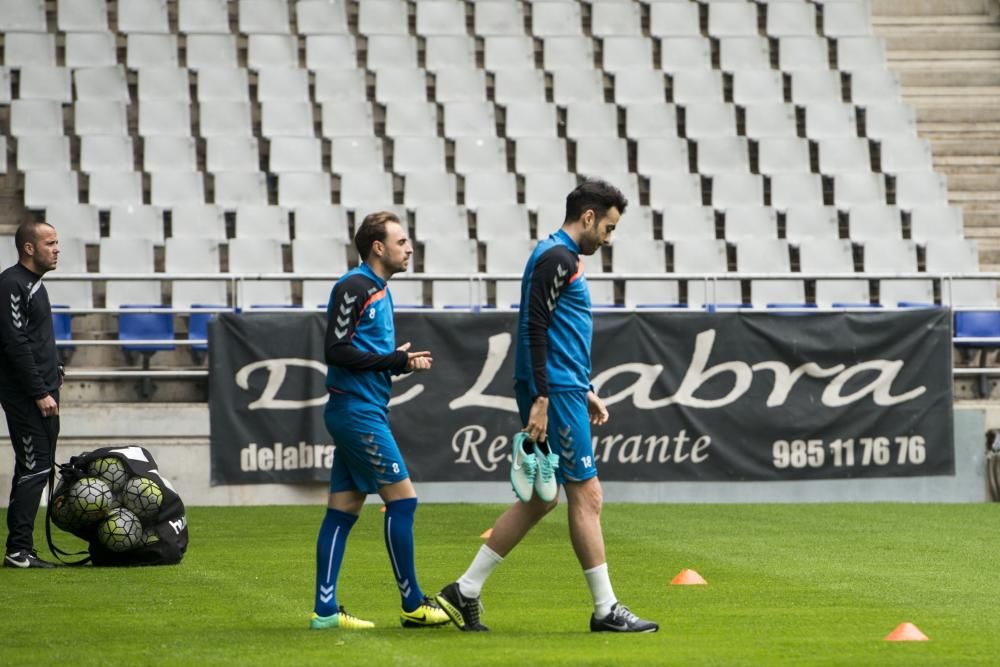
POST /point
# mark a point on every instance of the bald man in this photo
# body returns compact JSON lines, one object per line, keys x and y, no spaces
{"x":30,"y":377}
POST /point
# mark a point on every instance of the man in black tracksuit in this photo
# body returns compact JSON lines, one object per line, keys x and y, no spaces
{"x":30,"y":377}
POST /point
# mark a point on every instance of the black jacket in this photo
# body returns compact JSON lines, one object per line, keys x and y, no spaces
{"x":29,"y":361}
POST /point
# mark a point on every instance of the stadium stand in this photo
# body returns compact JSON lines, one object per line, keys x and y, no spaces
{"x":269,"y":128}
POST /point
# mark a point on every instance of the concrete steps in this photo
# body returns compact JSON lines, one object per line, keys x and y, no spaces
{"x":902,"y":40}
{"x":961,"y":138}
{"x":961,"y":55}
{"x":952,"y":11}
{"x":978,"y":223}
{"x":946,"y":54}
{"x":988,"y":165}
{"x":947,"y":146}
{"x":975,"y":183}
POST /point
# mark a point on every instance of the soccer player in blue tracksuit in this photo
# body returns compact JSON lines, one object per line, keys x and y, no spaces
{"x":557,"y":406}
{"x":362,"y":357}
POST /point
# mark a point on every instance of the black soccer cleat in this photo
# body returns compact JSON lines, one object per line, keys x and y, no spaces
{"x":463,"y":612}
{"x":25,"y":559}
{"x":621,"y":619}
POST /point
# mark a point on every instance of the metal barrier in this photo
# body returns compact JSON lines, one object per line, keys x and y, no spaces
{"x":943,"y":283}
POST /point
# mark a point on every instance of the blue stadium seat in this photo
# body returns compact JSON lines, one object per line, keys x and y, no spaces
{"x":141,"y":327}
{"x":198,"y":328}
{"x":62,"y":327}
{"x":790,"y":306}
{"x":713,"y":307}
{"x":62,"y":323}
{"x":977,"y":324}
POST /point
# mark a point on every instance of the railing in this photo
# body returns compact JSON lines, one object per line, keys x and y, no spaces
{"x":943,"y":284}
{"x":475,"y":279}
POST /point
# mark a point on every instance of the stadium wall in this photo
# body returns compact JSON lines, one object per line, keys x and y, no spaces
{"x":177,"y":436}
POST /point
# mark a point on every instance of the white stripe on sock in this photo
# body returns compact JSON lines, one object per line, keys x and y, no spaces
{"x":392,"y":554}
{"x":333,"y":547}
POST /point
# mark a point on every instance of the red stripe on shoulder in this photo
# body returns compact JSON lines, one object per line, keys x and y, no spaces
{"x":579,"y":271}
{"x":377,"y":296}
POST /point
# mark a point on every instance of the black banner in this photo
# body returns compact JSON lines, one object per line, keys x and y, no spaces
{"x":692,"y":396}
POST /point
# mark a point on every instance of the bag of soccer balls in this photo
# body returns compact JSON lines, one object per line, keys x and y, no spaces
{"x":117,"y":500}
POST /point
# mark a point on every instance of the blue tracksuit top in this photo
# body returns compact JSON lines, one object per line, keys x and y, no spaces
{"x":555,"y":324}
{"x":360,"y":347}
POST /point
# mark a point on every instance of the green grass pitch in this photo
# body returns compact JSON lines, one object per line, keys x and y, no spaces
{"x":787,"y":584}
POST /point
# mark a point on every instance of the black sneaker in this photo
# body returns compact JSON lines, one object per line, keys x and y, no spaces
{"x":463,"y":612}
{"x":25,"y":559}
{"x":621,"y":619}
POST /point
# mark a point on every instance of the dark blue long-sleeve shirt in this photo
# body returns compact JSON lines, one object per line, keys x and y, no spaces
{"x":555,"y":324}
{"x":360,"y":347}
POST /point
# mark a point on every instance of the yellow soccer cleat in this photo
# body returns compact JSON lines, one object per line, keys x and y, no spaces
{"x":339,"y":620}
{"x":428,"y":614}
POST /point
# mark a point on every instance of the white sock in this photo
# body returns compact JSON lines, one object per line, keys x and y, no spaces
{"x":471,"y":583}
{"x":600,"y":589}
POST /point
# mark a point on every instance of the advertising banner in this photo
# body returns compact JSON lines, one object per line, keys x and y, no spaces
{"x":692,"y":396}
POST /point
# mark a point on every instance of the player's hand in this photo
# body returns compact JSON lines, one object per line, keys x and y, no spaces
{"x":47,"y":406}
{"x":417,"y":361}
{"x":595,"y":406}
{"x":538,"y":419}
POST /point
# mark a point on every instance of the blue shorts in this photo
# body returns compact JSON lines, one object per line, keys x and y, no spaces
{"x":366,"y":456}
{"x":568,"y":431}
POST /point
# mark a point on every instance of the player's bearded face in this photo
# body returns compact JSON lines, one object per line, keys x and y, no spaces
{"x":396,"y":255}
{"x":597,"y":233}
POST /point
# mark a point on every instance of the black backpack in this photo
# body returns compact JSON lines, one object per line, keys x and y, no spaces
{"x":116,"y":499}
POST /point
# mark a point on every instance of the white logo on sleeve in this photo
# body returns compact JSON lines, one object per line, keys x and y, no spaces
{"x":15,"y":310}
{"x":344,"y":318}
{"x":556,"y":285}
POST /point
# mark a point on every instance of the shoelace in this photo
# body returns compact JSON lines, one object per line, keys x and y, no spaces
{"x":549,"y":471}
{"x":475,"y":608}
{"x":340,"y":610}
{"x":624,"y":613}
{"x":530,"y":464}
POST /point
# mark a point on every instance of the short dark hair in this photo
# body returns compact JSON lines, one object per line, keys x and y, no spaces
{"x":372,"y":229}
{"x":27,"y":232}
{"x":594,"y":194}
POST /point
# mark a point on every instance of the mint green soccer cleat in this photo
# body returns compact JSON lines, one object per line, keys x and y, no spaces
{"x":546,"y":487}
{"x":339,"y":620}
{"x":523,"y":468}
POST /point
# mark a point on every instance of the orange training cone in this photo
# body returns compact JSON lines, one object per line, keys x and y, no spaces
{"x":688,"y":578}
{"x":486,"y":534}
{"x":906,"y":632}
